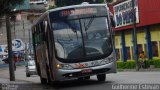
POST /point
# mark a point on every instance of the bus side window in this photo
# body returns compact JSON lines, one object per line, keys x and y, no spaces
{"x":42,"y":37}
{"x":37,"y":40}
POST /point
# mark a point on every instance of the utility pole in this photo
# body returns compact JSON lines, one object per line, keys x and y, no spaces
{"x":14,"y":21}
{"x":9,"y":41}
{"x":135,"y":36}
{"x":29,"y":45}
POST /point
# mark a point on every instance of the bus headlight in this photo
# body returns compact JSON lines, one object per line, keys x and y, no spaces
{"x":64,"y":66}
{"x":67,"y":67}
{"x":59,"y":66}
{"x":103,"y":62}
{"x":107,"y":60}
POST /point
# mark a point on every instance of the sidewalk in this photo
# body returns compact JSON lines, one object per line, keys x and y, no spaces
{"x":4,"y":76}
{"x":7,"y":81}
{"x":140,"y":70}
{"x":7,"y":65}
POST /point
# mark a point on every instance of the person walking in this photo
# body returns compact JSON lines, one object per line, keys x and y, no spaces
{"x":142,"y":59}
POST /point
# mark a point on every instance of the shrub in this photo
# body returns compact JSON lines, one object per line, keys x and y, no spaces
{"x":130,"y":64}
{"x":156,"y":62}
{"x":147,"y":63}
{"x":120,"y":65}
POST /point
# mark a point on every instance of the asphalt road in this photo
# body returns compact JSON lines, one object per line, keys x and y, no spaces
{"x":119,"y":81}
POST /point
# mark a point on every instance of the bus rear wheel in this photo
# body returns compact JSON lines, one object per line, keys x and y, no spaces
{"x":101,"y":77}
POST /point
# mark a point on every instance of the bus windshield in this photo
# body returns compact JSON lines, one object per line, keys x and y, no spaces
{"x":82,"y":38}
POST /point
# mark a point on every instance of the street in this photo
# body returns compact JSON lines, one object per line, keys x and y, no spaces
{"x":112,"y":80}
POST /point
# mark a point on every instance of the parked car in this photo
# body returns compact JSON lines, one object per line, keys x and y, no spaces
{"x":5,"y":60}
{"x":30,"y":68}
{"x":1,"y":61}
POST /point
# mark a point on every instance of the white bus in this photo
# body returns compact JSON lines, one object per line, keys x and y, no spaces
{"x":74,"y":42}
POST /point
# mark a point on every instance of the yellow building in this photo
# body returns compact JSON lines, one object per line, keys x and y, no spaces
{"x":147,"y":29}
{"x":141,"y":42}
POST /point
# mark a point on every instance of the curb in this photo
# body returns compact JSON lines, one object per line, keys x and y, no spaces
{"x":7,"y":65}
{"x":140,"y":70}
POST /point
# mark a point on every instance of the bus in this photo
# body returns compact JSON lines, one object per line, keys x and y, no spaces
{"x":74,"y":42}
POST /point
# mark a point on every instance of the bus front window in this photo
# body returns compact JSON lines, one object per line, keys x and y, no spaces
{"x":67,"y":37}
{"x":82,"y":38}
{"x":96,"y":36}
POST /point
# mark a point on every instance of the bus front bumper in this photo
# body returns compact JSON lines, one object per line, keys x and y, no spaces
{"x":63,"y":75}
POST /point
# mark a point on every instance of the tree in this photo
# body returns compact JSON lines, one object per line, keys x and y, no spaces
{"x":6,"y":8}
{"x":51,"y":7}
{"x":109,"y":1}
{"x":61,"y":3}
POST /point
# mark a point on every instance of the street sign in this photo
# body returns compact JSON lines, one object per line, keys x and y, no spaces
{"x":17,"y":45}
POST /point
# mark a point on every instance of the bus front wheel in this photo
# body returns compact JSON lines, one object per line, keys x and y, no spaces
{"x":43,"y":80}
{"x":101,"y":77}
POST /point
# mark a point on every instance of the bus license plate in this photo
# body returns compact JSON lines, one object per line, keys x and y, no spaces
{"x":86,"y":71}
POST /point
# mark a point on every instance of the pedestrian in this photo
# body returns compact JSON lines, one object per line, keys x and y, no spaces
{"x":142,"y":59}
{"x":15,"y":60}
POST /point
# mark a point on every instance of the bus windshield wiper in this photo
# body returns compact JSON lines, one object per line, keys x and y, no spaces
{"x":73,"y":27}
{"x":89,"y":23}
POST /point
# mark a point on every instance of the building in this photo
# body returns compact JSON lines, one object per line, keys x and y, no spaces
{"x":147,"y":14}
{"x":21,"y":21}
{"x":41,"y":4}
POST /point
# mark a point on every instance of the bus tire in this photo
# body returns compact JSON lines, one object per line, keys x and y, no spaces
{"x":87,"y":77}
{"x":101,"y":77}
{"x":43,"y":80}
{"x":38,"y":69}
{"x":48,"y":75}
{"x":27,"y":75}
{"x":80,"y":79}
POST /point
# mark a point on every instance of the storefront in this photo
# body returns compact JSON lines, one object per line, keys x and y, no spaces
{"x":147,"y":28}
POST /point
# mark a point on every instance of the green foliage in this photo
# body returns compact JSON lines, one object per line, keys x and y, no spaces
{"x":147,"y":63}
{"x":109,"y":1}
{"x":120,"y":65}
{"x":7,"y":5}
{"x":51,"y":7}
{"x":130,"y":64}
{"x":156,"y":62}
{"x":61,"y":3}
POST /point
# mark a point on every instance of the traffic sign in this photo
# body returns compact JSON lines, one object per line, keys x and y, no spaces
{"x":17,"y":45}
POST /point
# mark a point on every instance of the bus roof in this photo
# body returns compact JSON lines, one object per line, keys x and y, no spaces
{"x":65,"y":7}
{"x":76,"y":6}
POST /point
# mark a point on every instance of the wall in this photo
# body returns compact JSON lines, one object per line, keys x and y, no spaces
{"x":141,"y":41}
{"x":19,"y":29}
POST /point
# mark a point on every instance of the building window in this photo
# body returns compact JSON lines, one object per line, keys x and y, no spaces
{"x":118,"y":54}
{"x":128,"y":53}
{"x":155,"y":48}
{"x":145,"y":50}
{"x":140,"y":48}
